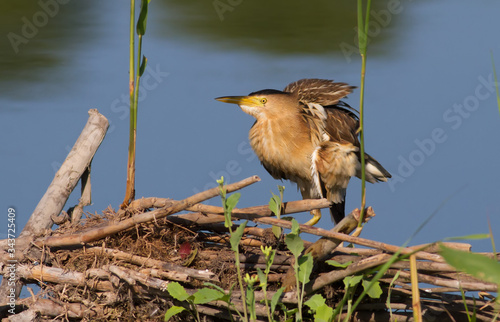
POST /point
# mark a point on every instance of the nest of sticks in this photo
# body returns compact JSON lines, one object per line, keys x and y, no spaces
{"x":116,"y":266}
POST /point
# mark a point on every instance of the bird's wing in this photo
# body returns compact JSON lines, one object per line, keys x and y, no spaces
{"x":333,"y":165}
{"x":333,"y":133}
{"x":319,"y":91}
{"x":322,"y":110}
{"x":336,"y":157}
{"x":341,"y":126}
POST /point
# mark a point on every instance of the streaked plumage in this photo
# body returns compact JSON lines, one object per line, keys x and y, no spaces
{"x":305,"y":134}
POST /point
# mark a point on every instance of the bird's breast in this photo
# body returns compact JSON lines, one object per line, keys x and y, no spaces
{"x":284,"y":148}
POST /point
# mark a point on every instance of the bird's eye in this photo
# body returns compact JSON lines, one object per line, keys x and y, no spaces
{"x":263,"y":100}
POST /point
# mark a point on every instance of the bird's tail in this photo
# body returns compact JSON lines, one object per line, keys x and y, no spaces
{"x":337,"y":211}
{"x":374,"y":171}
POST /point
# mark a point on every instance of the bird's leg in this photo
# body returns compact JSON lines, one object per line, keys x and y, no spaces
{"x":306,"y":193}
{"x":316,"y":213}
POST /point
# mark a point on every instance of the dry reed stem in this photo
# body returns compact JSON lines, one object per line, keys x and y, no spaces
{"x":212,"y":214}
{"x":355,"y":240}
{"x":133,"y":277}
{"x":336,"y":275}
{"x":49,"y":308}
{"x":171,"y":271}
{"x":417,"y":309}
{"x":445,"y":282}
{"x":288,"y":207}
{"x":217,"y":312}
{"x":244,"y":241}
{"x":61,"y":276}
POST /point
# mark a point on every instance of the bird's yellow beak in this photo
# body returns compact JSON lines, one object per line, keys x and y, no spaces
{"x":251,"y":101}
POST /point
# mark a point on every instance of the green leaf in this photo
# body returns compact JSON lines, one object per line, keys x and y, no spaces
{"x":275,"y":299}
{"x":295,"y":227}
{"x":142,"y":68}
{"x":324,"y":313}
{"x":294,"y":244}
{"x":477,"y":265}
{"x":250,"y":299}
{"x":388,"y":301}
{"x":293,"y":240}
{"x":291,"y":312}
{"x":306,"y":264}
{"x":232,"y":201}
{"x":206,"y":295}
{"x":262,"y":278}
{"x":217,"y":287}
{"x":173,"y":311}
{"x":226,"y":297}
{"x":350,"y":281}
{"x":143,"y":17}
{"x":469,"y":237}
{"x":227,"y":220}
{"x":275,"y":205}
{"x":315,"y":301}
{"x":337,"y":264}
{"x":229,"y":205}
{"x":177,"y":291}
{"x":236,"y":236}
{"x":276,"y":231}
{"x":270,"y":261}
{"x":373,"y":289}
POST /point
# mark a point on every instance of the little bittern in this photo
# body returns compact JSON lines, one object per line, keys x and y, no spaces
{"x":307,"y":135}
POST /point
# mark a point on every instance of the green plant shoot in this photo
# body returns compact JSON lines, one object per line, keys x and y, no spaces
{"x":250,"y":294}
{"x":363,"y":44}
{"x":136,"y":69}
{"x":322,"y":312}
{"x":302,"y":264}
{"x":202,"y":296}
{"x":276,"y":206}
{"x":269,"y":253}
{"x":229,"y":203}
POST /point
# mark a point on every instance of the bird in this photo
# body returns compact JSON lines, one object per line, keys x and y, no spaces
{"x":307,"y":135}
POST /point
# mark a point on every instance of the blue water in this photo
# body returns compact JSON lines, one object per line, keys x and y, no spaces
{"x":431,"y":113}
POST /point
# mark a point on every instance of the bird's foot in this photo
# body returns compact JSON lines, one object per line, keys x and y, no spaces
{"x":316,"y":213}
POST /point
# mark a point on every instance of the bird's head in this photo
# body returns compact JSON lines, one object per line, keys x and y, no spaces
{"x":264,"y":103}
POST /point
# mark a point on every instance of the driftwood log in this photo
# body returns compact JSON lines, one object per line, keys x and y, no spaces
{"x":76,"y":166}
{"x":117,"y":265}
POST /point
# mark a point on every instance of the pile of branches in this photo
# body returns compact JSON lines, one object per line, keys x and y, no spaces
{"x":84,"y":272}
{"x":117,"y":265}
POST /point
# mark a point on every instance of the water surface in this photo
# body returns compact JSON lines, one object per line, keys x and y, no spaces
{"x":431,"y":114}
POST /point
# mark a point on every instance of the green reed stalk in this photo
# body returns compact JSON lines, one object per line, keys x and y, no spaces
{"x":363,"y":44}
{"x":136,"y":69}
